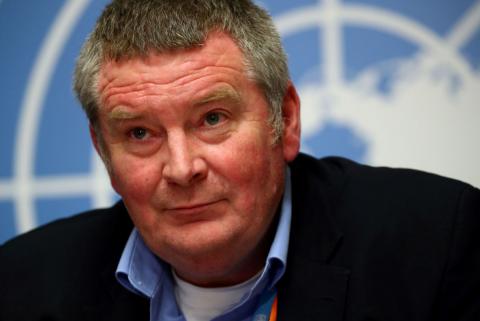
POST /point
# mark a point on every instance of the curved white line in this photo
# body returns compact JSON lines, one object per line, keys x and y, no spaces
{"x":407,"y":29}
{"x":466,"y":27}
{"x":31,"y":108}
{"x":299,"y":19}
{"x":384,"y":20}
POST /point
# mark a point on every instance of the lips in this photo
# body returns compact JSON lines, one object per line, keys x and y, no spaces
{"x":192,"y":208}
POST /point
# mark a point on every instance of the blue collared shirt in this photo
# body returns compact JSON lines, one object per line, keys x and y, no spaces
{"x":143,"y":273}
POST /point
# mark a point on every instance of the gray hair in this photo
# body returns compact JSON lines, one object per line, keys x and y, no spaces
{"x":133,"y":28}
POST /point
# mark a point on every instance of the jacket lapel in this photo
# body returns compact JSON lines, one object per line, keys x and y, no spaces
{"x":314,"y":292}
{"x":312,"y":288}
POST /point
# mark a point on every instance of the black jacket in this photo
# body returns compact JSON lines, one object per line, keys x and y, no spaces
{"x":366,"y":244}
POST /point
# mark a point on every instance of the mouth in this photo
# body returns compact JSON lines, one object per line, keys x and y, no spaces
{"x":192,"y":209}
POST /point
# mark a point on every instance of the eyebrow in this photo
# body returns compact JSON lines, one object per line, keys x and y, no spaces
{"x":222,"y":93}
{"x":119,"y":113}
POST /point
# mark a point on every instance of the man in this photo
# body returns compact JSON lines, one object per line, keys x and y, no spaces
{"x":193,"y":113}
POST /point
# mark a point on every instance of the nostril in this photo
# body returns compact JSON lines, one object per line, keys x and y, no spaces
{"x":178,"y":173}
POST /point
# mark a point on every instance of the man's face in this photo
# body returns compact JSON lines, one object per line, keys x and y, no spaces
{"x":192,"y":154}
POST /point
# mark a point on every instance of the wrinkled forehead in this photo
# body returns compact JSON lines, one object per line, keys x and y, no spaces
{"x":218,"y":61}
{"x":218,"y":49}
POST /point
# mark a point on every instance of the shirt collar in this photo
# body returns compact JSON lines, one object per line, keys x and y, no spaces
{"x":141,"y":272}
{"x":277,"y":256}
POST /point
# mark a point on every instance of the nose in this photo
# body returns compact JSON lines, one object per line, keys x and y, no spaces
{"x":184,"y":165}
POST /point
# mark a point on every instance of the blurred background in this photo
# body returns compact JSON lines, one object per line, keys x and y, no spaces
{"x":384,"y":82}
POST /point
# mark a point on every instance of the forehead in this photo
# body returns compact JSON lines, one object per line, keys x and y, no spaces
{"x":176,"y":66}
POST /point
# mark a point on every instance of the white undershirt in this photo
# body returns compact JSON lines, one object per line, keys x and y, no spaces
{"x":203,"y":304}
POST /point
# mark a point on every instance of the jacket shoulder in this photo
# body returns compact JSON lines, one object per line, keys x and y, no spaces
{"x":83,"y":228}
{"x":399,"y":233}
{"x":58,"y":269}
{"x":418,"y":210}
{"x":341,"y":173}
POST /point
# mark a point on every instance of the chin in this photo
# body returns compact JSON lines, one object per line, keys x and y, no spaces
{"x":205,"y":261}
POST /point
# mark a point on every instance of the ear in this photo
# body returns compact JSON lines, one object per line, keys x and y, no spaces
{"x":291,"y":123}
{"x":93,"y":136}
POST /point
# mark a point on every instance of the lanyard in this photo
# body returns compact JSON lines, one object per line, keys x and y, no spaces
{"x":267,"y":310}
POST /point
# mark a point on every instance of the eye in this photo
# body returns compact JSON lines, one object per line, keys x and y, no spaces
{"x":213,"y":118}
{"x":139,"y":133}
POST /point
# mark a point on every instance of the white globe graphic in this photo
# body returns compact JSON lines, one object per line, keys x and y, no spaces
{"x":431,"y":93}
{"x":410,"y":126}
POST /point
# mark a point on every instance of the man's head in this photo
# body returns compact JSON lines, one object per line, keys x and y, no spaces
{"x":188,"y":135}
{"x":129,"y":29}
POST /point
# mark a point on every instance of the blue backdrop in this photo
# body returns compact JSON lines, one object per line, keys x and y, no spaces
{"x":385,"y":82}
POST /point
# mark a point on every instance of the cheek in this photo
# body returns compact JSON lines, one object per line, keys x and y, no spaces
{"x":134,"y":179}
{"x":252,"y":169}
